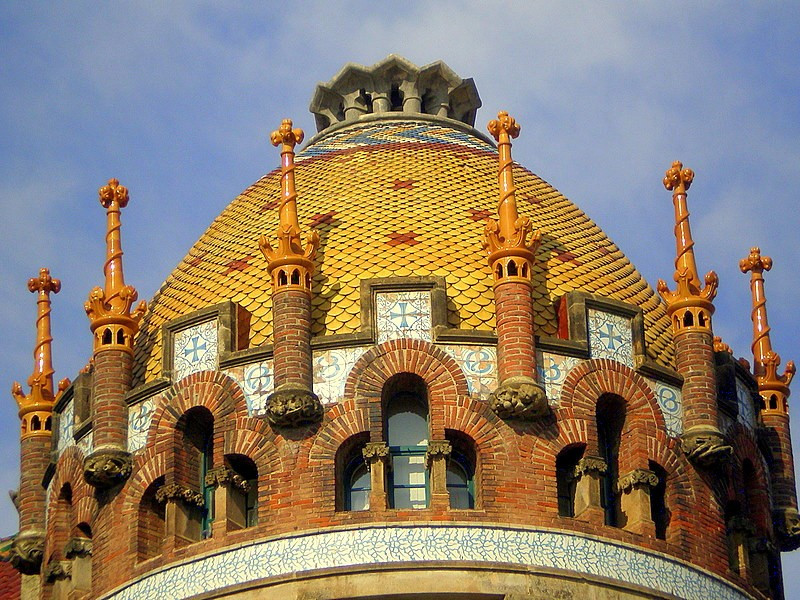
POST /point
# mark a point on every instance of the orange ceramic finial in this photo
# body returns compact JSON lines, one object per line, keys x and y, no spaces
{"x":510,"y":252}
{"x":109,"y":308}
{"x":35,"y":408}
{"x":689,"y":306}
{"x":774,"y":388}
{"x":290,"y":264}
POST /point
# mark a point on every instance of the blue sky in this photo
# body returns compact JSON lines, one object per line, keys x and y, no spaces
{"x":177,"y":100}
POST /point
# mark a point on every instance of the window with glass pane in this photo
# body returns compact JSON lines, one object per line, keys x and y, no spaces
{"x":459,"y":482}
{"x":407,"y":432}
{"x":358,"y":486}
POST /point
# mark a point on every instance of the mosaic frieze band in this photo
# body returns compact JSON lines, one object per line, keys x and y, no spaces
{"x":412,"y":545}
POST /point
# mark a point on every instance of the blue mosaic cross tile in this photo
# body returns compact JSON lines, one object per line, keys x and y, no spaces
{"x":610,"y":336}
{"x":553,"y":370}
{"x":670,"y":401}
{"x":404,"y":314}
{"x":416,"y":545}
{"x":139,"y":419}
{"x":747,"y":414}
{"x":257,"y":382}
{"x":479,"y":365}
{"x":331,"y":368}
{"x":195,"y":349}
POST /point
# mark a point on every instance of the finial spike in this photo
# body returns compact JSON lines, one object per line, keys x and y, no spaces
{"x":109,"y":308}
{"x":690,"y":298}
{"x":35,"y":408}
{"x":291,"y":263}
{"x":511,"y":253}
{"x":765,"y":360}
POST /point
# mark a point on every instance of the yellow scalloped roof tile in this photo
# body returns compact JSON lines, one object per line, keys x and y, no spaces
{"x":396,"y":199}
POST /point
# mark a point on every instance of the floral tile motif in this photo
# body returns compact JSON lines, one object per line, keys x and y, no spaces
{"x":411,"y":545}
{"x":195,"y":349}
{"x":670,"y":401}
{"x":66,"y":424}
{"x":553,"y":369}
{"x":257,"y":382}
{"x":331,"y":368}
{"x":139,"y":419}
{"x":610,"y":336}
{"x":479,"y":364}
{"x":747,"y":412}
{"x":403,"y":315}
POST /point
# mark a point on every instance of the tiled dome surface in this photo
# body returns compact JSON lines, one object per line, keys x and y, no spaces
{"x":396,"y":198}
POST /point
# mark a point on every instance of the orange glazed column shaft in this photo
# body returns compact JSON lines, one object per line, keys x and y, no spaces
{"x":113,"y":326}
{"x":511,"y":256}
{"x":689,"y":308}
{"x":290,"y":265}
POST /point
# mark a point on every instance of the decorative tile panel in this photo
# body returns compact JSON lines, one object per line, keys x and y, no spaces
{"x":553,"y":369}
{"x":404,"y":314}
{"x":479,"y":365}
{"x":66,"y":424}
{"x":257,"y":382}
{"x":331,"y":368}
{"x":670,"y":401}
{"x":85,"y":444}
{"x":747,"y":413}
{"x":195,"y":349}
{"x":412,"y":545}
{"x":610,"y":336}
{"x":139,"y":419}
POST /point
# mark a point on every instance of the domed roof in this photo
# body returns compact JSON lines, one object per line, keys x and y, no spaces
{"x":397,"y":195}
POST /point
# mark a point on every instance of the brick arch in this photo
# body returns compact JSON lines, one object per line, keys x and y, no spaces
{"x":590,"y":380}
{"x":442,"y":376}
{"x":343,"y":421}
{"x":254,"y":438}
{"x":476,"y":420}
{"x":83,"y":506}
{"x":745,"y":448}
{"x":148,"y":465}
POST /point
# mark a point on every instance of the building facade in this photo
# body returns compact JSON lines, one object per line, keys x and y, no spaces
{"x":403,"y":366}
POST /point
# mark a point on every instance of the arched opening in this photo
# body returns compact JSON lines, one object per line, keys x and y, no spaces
{"x":353,"y":480}
{"x":296,"y":277}
{"x":63,"y":520}
{"x":150,"y":528}
{"x":701,"y":319}
{"x":406,"y":430}
{"x":462,"y":470}
{"x":512,"y":268}
{"x":566,"y":481}
{"x":396,"y":98}
{"x":36,"y":423}
{"x":242,"y":492}
{"x":659,"y":512}
{"x":107,"y":336}
{"x":688,"y":320}
{"x":499,"y":271}
{"x":610,"y":414}
{"x":120,"y":337}
{"x":282,"y":279}
{"x":525,"y":269}
{"x":48,"y":424}
{"x":193,"y":460}
{"x":773,"y":402}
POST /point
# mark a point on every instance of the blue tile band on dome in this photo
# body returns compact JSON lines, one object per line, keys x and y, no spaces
{"x":399,"y":545}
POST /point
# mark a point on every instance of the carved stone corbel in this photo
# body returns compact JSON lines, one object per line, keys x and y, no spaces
{"x":706,"y":446}
{"x":787,"y":528}
{"x":58,"y":569}
{"x":293,"y":406}
{"x":107,"y":467}
{"x":175,"y":492}
{"x":27,"y":552}
{"x":78,"y":546}
{"x":519,"y":398}
{"x":638,"y":478}
{"x":590,"y":464}
{"x":226,"y":477}
{"x":437,"y":449}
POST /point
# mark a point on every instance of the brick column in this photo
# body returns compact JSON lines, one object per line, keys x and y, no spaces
{"x":290,"y":265}
{"x":689,"y":308}
{"x":511,"y":256}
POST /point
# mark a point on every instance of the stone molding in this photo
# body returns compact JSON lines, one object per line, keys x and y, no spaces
{"x":226,"y":477}
{"x":174,"y":492}
{"x":519,"y":398}
{"x":58,"y":569}
{"x":375,"y":450}
{"x":590,"y":464}
{"x":636,"y":479}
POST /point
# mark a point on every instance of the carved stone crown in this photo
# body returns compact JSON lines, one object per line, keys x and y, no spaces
{"x":394,"y":86}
